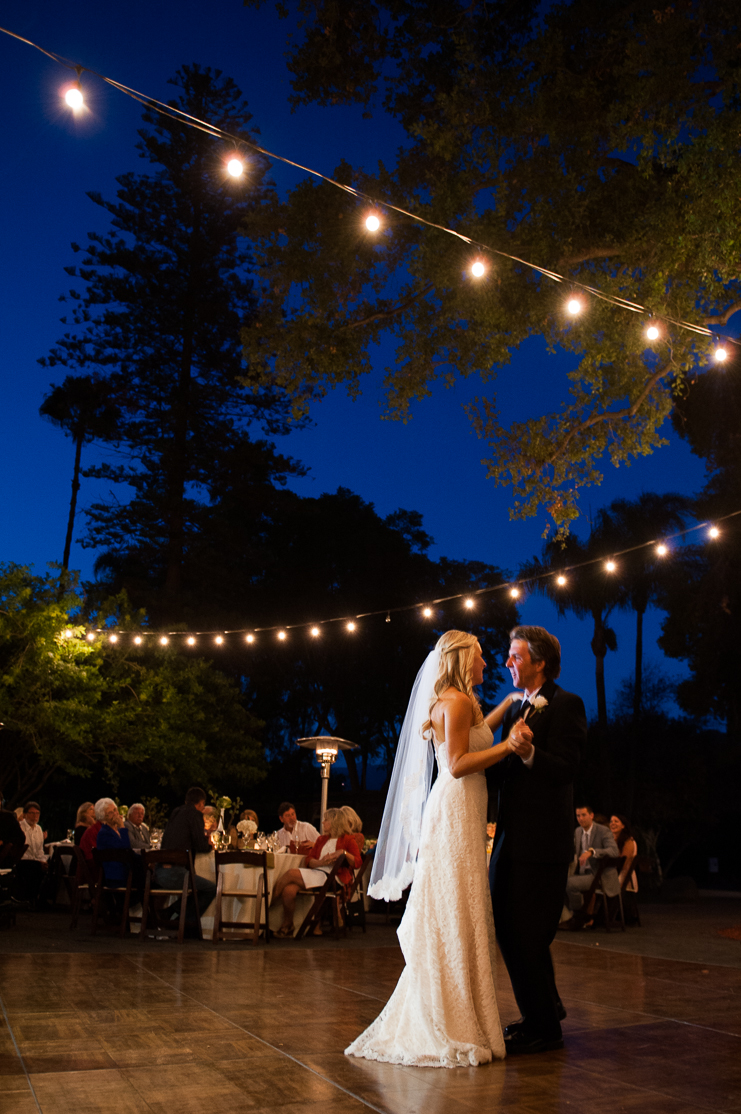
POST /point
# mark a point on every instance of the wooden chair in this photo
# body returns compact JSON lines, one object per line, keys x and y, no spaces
{"x":83,"y":883}
{"x":630,"y":897}
{"x":63,"y":868}
{"x":597,"y":891}
{"x":353,"y":902}
{"x":331,"y":891}
{"x":125,"y":857}
{"x":261,"y":894}
{"x":152,"y":860}
{"x":10,"y":855}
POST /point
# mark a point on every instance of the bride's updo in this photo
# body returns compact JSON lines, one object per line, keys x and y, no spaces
{"x":457,"y":651}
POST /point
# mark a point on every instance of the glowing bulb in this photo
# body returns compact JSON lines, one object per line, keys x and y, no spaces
{"x":68,"y":633}
{"x":662,"y":550}
{"x":351,"y":627}
{"x":191,"y":641}
{"x":137,"y":640}
{"x":90,"y":637}
{"x":282,"y":635}
{"x":561,"y":580}
{"x":164,"y":640}
{"x":235,"y":167}
{"x":315,"y":632}
{"x":372,"y":223}
{"x":113,"y":638}
{"x":468,"y":603}
{"x":515,"y":593}
{"x":652,"y":332}
{"x":478,"y":269}
{"x":714,"y":532}
{"x":610,"y":566}
{"x":250,"y":638}
{"x":74,"y":98}
{"x":427,"y":612}
{"x":720,"y":354}
{"x":219,"y":640}
{"x":574,"y":306}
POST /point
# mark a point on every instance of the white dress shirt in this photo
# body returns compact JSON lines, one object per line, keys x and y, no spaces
{"x":35,"y":842}
{"x":529,"y":761}
{"x":302,"y":832}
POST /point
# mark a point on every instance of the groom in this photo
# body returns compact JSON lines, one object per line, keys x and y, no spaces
{"x":534,"y":842}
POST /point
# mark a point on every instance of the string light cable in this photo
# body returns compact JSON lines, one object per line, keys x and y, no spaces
{"x":478,"y":267}
{"x":516,"y":589}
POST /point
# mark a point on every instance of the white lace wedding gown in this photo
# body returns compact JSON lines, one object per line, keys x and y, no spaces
{"x":443,"y":1012}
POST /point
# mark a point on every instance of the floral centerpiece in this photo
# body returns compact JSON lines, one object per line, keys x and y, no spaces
{"x":247,"y":829}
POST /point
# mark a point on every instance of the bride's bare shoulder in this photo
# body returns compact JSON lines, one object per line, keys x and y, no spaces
{"x":452,"y":700}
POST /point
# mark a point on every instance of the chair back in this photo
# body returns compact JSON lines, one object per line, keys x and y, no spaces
{"x":153,"y":859}
{"x":246,"y":858}
{"x":85,"y":874}
{"x":11,"y":854}
{"x":122,"y":855}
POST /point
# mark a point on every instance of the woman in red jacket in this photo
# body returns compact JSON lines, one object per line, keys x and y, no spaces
{"x":335,"y":843}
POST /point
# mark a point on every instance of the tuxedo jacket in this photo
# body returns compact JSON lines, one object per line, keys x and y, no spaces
{"x":535,"y":817}
{"x":602,"y":843}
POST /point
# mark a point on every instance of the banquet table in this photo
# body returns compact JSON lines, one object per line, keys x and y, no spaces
{"x":237,"y":877}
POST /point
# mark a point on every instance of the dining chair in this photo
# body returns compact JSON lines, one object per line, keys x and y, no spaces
{"x":261,"y":894}
{"x":330,"y":892}
{"x":124,"y":856}
{"x":152,"y":860}
{"x":597,"y":891}
{"x":82,"y":883}
{"x":353,"y":901}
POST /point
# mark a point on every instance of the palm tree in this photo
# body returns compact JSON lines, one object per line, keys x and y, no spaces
{"x":82,"y":407}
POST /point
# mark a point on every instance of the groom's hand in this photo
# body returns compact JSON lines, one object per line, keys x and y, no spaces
{"x":520,"y":739}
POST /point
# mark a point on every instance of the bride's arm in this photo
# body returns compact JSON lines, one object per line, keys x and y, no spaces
{"x":495,"y":718}
{"x":458,"y":719}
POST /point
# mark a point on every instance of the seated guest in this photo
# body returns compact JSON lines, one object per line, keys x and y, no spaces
{"x":626,"y":846}
{"x":84,"y":820}
{"x":592,"y":841}
{"x":295,"y":831}
{"x":11,"y":833}
{"x":185,"y":831}
{"x":90,"y":837}
{"x":139,"y":837}
{"x":31,"y":871}
{"x":336,"y":843}
{"x":114,"y":836}
{"x":356,"y":827}
{"x":210,"y":818}
{"x":250,"y":814}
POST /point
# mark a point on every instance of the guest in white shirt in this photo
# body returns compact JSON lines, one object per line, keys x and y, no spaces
{"x":295,"y":831}
{"x":31,"y":871}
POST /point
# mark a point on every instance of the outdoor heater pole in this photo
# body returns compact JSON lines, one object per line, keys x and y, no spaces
{"x":326,"y":766}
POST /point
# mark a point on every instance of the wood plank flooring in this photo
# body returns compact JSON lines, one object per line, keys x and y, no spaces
{"x":263,"y":1030}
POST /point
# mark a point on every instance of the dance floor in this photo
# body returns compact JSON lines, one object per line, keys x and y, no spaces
{"x":175,"y":1031}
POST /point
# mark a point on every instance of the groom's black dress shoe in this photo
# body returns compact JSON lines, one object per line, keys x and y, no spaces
{"x":522,"y":1043}
{"x":516,"y":1026}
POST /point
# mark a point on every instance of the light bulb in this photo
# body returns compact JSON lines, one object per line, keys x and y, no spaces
{"x":427,"y":612}
{"x":191,"y":641}
{"x":574,"y":306}
{"x":662,"y":550}
{"x":610,"y":566}
{"x":90,"y":636}
{"x":138,"y":640}
{"x":68,"y":633}
{"x":219,"y":640}
{"x":561,"y":580}
{"x":282,"y":635}
{"x":515,"y":593}
{"x":74,"y":98}
{"x":250,"y":638}
{"x":315,"y":632}
{"x":652,"y":332}
{"x":372,"y":223}
{"x":468,"y":603}
{"x":351,"y":627}
{"x":164,"y":640}
{"x":235,"y":167}
{"x":714,"y":532}
{"x":113,"y":638}
{"x":478,"y":269}
{"x":720,"y":354}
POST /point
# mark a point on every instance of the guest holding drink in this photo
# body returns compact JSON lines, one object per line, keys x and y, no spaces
{"x":298,"y":833}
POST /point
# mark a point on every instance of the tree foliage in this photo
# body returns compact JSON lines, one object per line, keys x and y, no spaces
{"x":600,"y":141}
{"x":83,"y":707}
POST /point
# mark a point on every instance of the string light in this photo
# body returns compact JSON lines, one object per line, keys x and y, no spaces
{"x":427,"y":612}
{"x":191,"y":641}
{"x":574,"y":306}
{"x":610,"y":566}
{"x":138,"y":640}
{"x":74,"y":98}
{"x":235,"y":167}
{"x":113,"y":638}
{"x":468,"y":603}
{"x":282,"y":635}
{"x":478,"y":269}
{"x":560,"y":580}
{"x":351,"y":627}
{"x":314,"y":632}
{"x":67,"y":633}
{"x":164,"y":640}
{"x":388,"y":616}
{"x":714,"y":532}
{"x":720,"y":354}
{"x":652,"y":332}
{"x":372,"y":223}
{"x":250,"y":638}
{"x":90,"y":636}
{"x":662,"y":550}
{"x":219,"y":640}
{"x":515,"y":593}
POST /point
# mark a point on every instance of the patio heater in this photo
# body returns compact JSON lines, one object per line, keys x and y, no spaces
{"x":326,"y":748}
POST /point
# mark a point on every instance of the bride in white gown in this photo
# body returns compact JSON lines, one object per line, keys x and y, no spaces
{"x":443,"y":1012}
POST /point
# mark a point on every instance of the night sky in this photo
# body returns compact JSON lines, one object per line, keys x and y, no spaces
{"x":50,"y":159}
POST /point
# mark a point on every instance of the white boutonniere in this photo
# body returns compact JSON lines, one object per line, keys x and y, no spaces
{"x":538,"y":703}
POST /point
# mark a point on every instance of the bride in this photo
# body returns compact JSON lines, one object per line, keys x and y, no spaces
{"x":443,"y":1012}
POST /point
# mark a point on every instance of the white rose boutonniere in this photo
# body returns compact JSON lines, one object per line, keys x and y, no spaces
{"x":538,"y":703}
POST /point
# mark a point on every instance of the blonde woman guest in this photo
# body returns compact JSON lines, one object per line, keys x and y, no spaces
{"x":443,"y":1012}
{"x":335,"y":843}
{"x":356,"y":826}
{"x":85,"y":819}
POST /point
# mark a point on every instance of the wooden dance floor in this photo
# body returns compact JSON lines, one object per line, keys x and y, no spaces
{"x":175,"y":1031}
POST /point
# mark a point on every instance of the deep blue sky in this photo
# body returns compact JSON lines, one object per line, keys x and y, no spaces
{"x":49,"y":161}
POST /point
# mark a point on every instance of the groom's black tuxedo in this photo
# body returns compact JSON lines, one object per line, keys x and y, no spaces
{"x":532,"y":850}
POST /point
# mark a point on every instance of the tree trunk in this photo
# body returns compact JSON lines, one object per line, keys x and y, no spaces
{"x":599,"y":649}
{"x":178,"y":468}
{"x":73,"y":501}
{"x":352,"y":770}
{"x":638,"y":679}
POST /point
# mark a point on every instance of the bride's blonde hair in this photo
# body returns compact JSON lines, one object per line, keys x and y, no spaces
{"x":457,"y":651}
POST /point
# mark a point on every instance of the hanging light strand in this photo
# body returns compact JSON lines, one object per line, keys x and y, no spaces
{"x":238,"y":142}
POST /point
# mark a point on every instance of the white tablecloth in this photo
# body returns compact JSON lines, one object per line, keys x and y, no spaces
{"x":238,"y":877}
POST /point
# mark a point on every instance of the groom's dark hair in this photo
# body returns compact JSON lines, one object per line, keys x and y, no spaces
{"x":543,"y":647}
